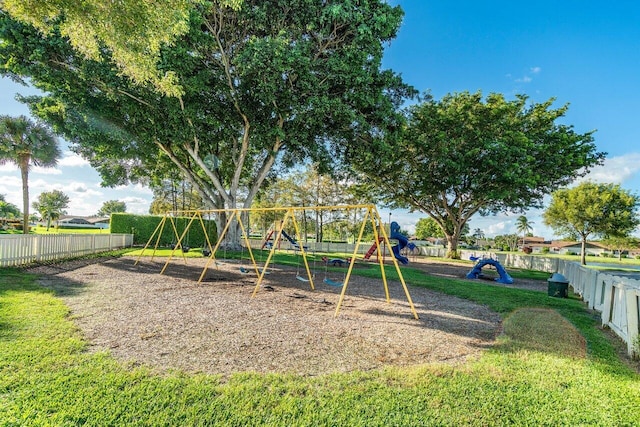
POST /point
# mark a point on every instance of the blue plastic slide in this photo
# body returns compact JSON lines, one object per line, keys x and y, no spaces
{"x":403,"y":242}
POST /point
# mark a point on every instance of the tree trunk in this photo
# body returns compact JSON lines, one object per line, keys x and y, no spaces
{"x":452,"y":247}
{"x":583,"y":255}
{"x":231,"y":239}
{"x":24,"y":172}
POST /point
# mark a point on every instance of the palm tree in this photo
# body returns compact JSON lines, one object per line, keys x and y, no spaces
{"x":524,"y":226}
{"x":478,"y":234}
{"x":27,"y":144}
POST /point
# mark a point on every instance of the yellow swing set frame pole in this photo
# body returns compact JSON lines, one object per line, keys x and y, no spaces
{"x":372,"y":214}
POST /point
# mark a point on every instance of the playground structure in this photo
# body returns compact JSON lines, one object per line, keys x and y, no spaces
{"x":234,"y":216}
{"x":278,"y":229}
{"x":402,"y":242}
{"x":476,"y":271}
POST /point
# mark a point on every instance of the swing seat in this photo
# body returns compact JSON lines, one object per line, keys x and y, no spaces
{"x":332,"y":282}
{"x":302,"y":279}
{"x":244,"y":270}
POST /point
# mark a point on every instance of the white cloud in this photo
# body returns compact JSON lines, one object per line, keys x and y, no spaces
{"x":71,"y":159}
{"x":527,"y":78}
{"x":134,"y":200}
{"x":11,"y":187}
{"x":80,"y":188}
{"x":137,"y":205}
{"x":45,"y":171}
{"x":615,"y":170}
{"x":495,"y":228}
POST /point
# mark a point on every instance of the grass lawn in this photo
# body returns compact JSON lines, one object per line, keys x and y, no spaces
{"x":552,"y":366}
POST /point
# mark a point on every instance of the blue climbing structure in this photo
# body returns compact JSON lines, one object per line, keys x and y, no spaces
{"x":403,"y":242}
{"x":477,"y":270}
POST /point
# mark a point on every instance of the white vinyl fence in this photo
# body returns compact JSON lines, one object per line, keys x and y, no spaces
{"x":17,"y":249}
{"x":616,"y":298}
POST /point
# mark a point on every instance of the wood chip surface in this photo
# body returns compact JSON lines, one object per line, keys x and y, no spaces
{"x":171,"y":322}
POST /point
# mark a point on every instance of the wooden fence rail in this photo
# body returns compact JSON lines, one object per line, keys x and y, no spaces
{"x":16,"y":249}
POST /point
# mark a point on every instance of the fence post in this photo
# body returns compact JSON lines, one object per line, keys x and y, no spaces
{"x":37,"y":243}
{"x":632,"y":320}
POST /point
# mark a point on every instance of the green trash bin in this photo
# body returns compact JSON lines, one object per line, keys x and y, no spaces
{"x":558,"y":286}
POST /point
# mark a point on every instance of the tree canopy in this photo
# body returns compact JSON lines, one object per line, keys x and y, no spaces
{"x":427,"y":227}
{"x":466,"y":154}
{"x":26,"y":143}
{"x":112,"y":206}
{"x":8,"y":210}
{"x":308,"y":187}
{"x":618,"y":244}
{"x":592,"y":209}
{"x":173,"y":194}
{"x":265,"y":86}
{"x":134,"y":31}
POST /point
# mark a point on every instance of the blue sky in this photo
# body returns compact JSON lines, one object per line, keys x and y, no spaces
{"x":586,"y":54}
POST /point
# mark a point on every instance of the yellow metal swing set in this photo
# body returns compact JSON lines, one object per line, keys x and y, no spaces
{"x":371,"y":215}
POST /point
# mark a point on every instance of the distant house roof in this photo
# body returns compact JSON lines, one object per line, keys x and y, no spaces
{"x":71,"y":219}
{"x":99,"y":220}
{"x":568,"y":244}
{"x":533,"y":239}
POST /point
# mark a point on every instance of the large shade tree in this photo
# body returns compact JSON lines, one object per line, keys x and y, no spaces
{"x":466,"y":155}
{"x":592,"y":209}
{"x":26,"y":143}
{"x":271,"y":84}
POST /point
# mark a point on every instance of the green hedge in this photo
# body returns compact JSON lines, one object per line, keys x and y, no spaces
{"x":143,"y":226}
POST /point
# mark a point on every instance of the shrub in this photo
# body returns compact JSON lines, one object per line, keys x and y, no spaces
{"x":143,"y":227}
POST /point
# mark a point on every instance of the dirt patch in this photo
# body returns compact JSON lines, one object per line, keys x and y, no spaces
{"x":170,"y":321}
{"x":545,"y":330}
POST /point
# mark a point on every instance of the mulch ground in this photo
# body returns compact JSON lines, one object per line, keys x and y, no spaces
{"x":170,"y":321}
